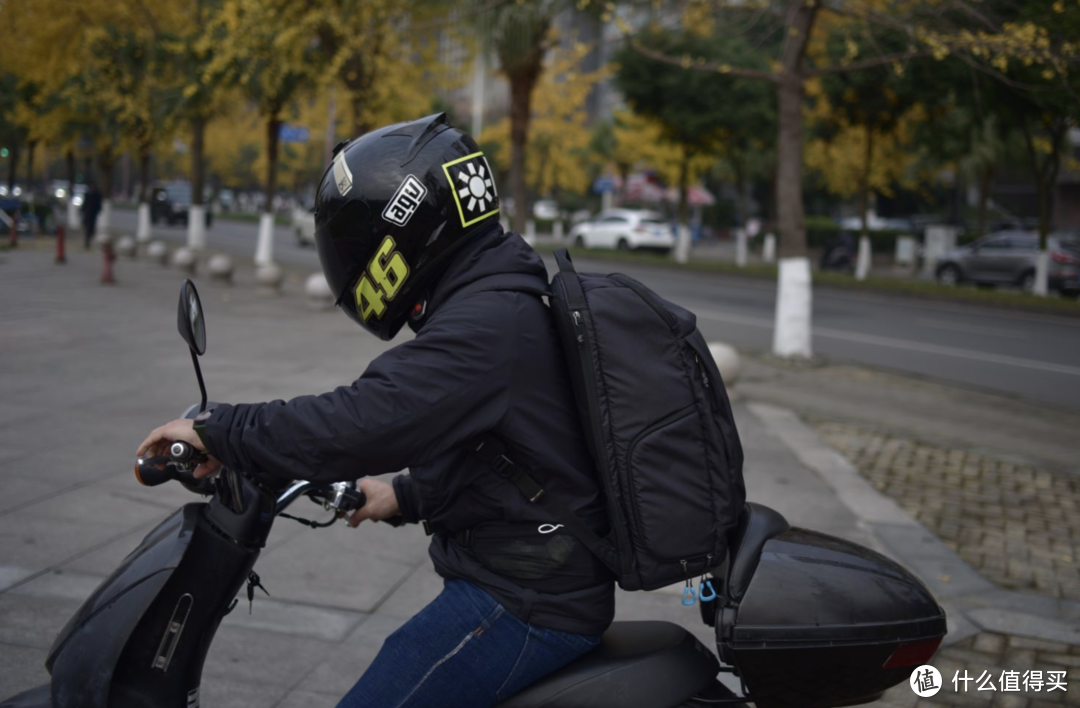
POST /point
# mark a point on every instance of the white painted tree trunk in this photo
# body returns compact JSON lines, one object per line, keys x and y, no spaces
{"x":682,"y":244}
{"x":740,"y":247}
{"x":791,"y":334}
{"x":1042,"y":273}
{"x":557,"y":230}
{"x":264,"y":249}
{"x":768,"y":248}
{"x":197,"y":227}
{"x":105,"y":219}
{"x":607,"y":200}
{"x":530,"y":232}
{"x":142,"y":234}
{"x":862,"y":261}
{"x":72,"y":216}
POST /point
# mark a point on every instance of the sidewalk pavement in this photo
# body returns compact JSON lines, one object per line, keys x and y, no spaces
{"x":89,"y":369}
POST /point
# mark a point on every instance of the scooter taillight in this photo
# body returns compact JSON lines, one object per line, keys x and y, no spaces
{"x":1064,"y":258}
{"x":912,"y":653}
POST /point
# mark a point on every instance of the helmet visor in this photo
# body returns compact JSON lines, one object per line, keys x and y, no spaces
{"x":345,"y":246}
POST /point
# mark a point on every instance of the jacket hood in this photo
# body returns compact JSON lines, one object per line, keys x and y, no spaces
{"x":501,"y":257}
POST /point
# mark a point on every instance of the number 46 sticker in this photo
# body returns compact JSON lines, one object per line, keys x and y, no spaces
{"x":385,"y":274}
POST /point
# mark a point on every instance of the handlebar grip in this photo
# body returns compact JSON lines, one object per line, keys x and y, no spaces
{"x":151,"y":475}
{"x":182,"y":452}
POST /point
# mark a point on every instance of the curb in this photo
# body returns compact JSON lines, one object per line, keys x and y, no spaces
{"x":972,"y":602}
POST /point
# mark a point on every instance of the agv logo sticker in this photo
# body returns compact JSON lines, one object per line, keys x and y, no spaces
{"x":406,"y":201}
{"x":473,"y":186}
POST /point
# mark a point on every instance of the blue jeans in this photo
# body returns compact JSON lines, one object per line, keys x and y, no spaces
{"x":463,"y":650}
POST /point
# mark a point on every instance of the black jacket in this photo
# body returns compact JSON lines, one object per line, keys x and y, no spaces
{"x":482,"y":360}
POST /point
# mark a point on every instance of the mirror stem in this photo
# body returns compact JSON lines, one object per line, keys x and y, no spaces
{"x":198,"y":375}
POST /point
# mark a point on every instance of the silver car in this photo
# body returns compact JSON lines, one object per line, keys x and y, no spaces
{"x":1008,"y":258}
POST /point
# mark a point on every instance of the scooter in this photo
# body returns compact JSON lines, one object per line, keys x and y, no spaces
{"x":802,"y":620}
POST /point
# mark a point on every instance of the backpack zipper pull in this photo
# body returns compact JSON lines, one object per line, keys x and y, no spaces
{"x":577,"y":325}
{"x":689,"y":595}
{"x":704,"y":374}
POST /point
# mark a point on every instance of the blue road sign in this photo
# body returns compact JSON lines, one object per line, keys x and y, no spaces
{"x":293,"y":133}
{"x":603,"y":184}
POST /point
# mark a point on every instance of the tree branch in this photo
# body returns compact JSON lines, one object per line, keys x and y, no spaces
{"x":702,"y":66}
{"x":867,"y":63}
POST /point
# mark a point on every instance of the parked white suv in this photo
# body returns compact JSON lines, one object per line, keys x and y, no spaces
{"x":624,"y":229}
{"x":304,"y":223}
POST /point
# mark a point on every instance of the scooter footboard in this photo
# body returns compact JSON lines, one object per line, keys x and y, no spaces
{"x":142,"y":638}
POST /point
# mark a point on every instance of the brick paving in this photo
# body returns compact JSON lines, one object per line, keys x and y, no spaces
{"x":1015,"y":523}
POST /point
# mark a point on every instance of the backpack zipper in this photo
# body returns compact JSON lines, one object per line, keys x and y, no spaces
{"x":622,"y":550}
{"x":705,"y":381}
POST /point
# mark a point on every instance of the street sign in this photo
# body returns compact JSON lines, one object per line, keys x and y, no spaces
{"x":293,"y":133}
{"x":604,"y":184}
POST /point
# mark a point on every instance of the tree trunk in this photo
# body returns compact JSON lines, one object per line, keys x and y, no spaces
{"x":791,"y":221}
{"x":106,"y":162}
{"x":12,"y":168}
{"x":273,"y":127}
{"x":70,"y":158}
{"x":144,"y":173}
{"x":984,"y":197}
{"x":198,"y":167}
{"x":789,"y":205}
{"x":522,"y":83}
{"x":29,"y":189}
{"x":864,"y":182}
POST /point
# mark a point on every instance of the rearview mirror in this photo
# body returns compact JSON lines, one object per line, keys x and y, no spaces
{"x":189,"y":319}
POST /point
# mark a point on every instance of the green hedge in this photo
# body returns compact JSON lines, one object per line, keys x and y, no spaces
{"x":822,"y":230}
{"x":909,"y":287}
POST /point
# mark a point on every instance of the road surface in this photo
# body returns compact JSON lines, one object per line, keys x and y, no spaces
{"x":1034,"y":356}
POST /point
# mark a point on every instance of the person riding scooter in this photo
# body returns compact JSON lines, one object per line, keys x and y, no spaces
{"x":407,"y":230}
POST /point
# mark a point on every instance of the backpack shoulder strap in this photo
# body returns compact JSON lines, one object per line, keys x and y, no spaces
{"x":492,"y":450}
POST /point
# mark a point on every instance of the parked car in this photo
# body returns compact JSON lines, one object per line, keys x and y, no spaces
{"x":1008,"y":258}
{"x":303,"y":221}
{"x":625,"y":229}
{"x":171,"y":204}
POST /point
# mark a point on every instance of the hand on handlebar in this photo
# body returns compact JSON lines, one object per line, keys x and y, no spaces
{"x":381,"y":502}
{"x":157,"y":444}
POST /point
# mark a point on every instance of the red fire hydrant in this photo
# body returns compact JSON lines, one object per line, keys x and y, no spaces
{"x":60,"y":244}
{"x":107,"y":258}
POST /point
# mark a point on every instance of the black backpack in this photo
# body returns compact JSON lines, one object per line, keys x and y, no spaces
{"x":658,"y":425}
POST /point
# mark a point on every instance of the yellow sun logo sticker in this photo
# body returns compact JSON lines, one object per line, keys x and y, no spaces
{"x":473,"y":186}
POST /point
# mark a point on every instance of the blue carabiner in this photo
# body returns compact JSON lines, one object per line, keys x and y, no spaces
{"x":689,"y":596}
{"x":707,"y":586}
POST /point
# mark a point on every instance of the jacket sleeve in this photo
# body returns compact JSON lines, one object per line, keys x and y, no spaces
{"x":412,"y":404}
{"x":408,"y":499}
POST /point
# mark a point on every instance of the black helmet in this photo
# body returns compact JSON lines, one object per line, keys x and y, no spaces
{"x":392,"y":209}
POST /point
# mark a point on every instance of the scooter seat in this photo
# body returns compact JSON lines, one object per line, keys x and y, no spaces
{"x":636,"y":665}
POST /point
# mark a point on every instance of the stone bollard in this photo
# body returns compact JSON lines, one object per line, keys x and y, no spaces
{"x":768,"y":248}
{"x":157,"y":251}
{"x":185,"y":260}
{"x":221,"y":268}
{"x":125,"y":246}
{"x":269,"y":278}
{"x":727,"y":360}
{"x":319,"y":295}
